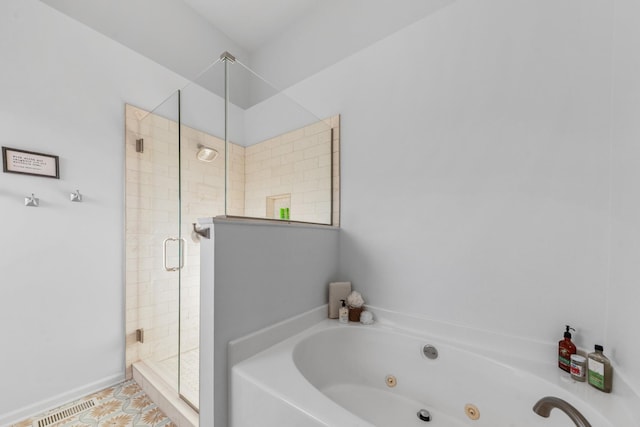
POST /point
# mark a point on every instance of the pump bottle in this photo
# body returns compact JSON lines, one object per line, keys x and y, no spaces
{"x":565,"y":349}
{"x":343,"y":314}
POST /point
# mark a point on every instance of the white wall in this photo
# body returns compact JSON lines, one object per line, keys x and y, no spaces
{"x":62,"y":295}
{"x":625,"y":270}
{"x":491,"y":165}
{"x":331,"y":31}
{"x":167,"y":31}
{"x":475,"y":166}
{"x":260,"y":274}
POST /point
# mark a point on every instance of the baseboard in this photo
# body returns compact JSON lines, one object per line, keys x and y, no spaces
{"x":58,"y":400}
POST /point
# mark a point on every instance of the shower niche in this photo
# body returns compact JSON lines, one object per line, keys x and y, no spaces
{"x":226,"y":144}
{"x":279,"y":207}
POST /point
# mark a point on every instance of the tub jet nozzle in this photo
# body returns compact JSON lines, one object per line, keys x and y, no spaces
{"x":424,"y":415}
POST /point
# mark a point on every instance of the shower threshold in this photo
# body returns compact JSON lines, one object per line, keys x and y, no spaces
{"x":165,"y":396}
{"x":189,"y":374}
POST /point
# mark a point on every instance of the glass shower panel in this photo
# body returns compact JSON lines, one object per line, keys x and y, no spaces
{"x":153,"y":234}
{"x":285,"y":168}
{"x":230,"y":144}
{"x":202,"y":160}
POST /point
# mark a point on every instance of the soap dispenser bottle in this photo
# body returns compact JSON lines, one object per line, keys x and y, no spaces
{"x":343,"y":314}
{"x":600,"y":371}
{"x":565,"y":349}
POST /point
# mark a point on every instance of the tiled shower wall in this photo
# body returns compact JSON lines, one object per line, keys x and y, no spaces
{"x":296,"y":164}
{"x":335,"y":170}
{"x":152,"y":215}
{"x":150,"y":210}
{"x":203,"y":195}
{"x":303,"y":158}
{"x":236,"y":198}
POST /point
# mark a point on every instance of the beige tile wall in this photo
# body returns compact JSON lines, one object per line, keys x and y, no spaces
{"x":152,"y":214}
{"x":236,"y":199}
{"x":335,"y":170}
{"x":202,"y":196}
{"x":151,"y":301}
{"x":296,"y":163}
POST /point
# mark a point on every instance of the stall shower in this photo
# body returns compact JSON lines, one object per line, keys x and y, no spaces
{"x":225,"y":144}
{"x":168,"y":187}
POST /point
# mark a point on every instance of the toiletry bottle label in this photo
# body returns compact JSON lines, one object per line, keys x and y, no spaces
{"x":564,"y":361}
{"x":578,"y":365}
{"x":576,"y":369}
{"x":596,"y":373}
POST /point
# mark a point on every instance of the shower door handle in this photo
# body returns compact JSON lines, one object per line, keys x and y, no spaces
{"x":181,"y":246}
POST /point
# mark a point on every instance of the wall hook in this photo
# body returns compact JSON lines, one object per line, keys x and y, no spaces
{"x":76,"y":196}
{"x":32,"y":201}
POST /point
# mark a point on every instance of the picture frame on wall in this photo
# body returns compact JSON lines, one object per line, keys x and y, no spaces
{"x":30,"y":163}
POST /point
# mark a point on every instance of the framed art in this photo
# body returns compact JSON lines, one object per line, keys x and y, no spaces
{"x":30,"y":163}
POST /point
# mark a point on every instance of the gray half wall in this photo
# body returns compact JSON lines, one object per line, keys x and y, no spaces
{"x":257,"y":274}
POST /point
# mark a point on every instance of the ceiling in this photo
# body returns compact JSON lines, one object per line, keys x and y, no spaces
{"x":251,"y":23}
{"x":284,"y":41}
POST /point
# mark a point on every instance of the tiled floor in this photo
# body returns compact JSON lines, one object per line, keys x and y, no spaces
{"x":122,"y":405}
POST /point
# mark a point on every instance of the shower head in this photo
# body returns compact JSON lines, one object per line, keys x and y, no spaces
{"x":206,"y":154}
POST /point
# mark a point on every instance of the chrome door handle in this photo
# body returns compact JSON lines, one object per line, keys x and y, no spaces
{"x":182,"y":245}
{"x":183,"y":248}
{"x":164,"y":254}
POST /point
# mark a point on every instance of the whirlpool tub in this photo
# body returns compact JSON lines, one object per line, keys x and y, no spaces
{"x":378,"y":375}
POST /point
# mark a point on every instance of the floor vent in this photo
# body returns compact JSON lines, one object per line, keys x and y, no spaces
{"x":63,"y":414}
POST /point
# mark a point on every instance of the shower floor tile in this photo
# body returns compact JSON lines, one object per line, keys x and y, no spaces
{"x":123,"y":405}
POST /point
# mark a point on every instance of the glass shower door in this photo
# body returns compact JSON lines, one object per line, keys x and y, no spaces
{"x":202,"y":161}
{"x":154,"y":236}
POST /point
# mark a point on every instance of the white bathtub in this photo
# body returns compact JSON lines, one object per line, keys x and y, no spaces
{"x":335,"y":375}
